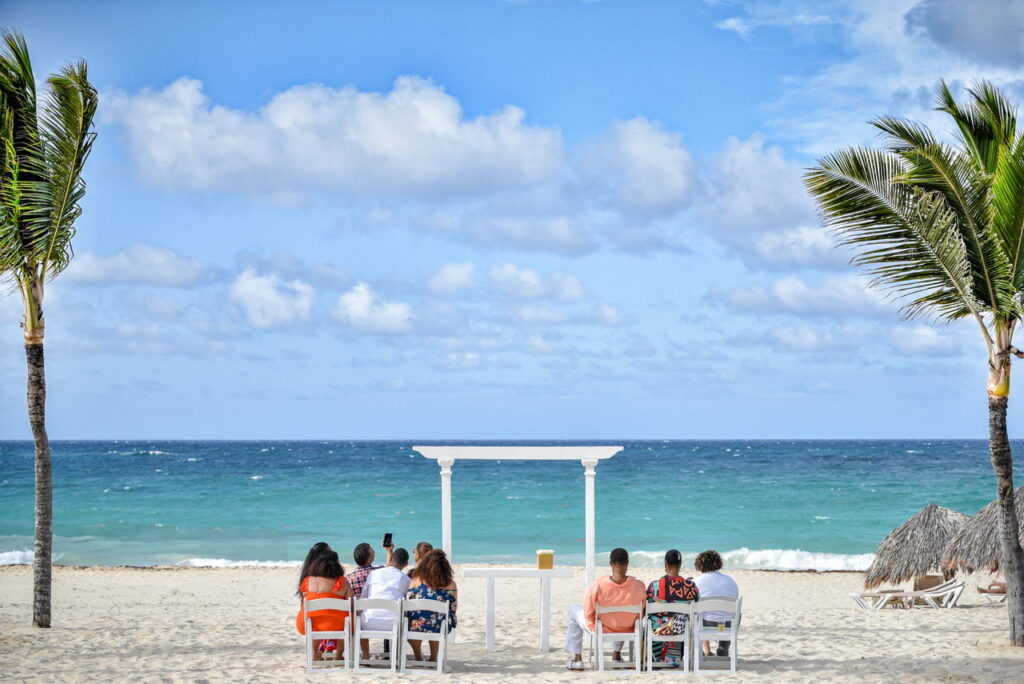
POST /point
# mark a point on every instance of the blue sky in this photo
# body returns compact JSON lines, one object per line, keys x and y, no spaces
{"x":491,"y":220}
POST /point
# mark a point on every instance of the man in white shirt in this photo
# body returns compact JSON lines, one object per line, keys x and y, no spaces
{"x":711,"y":582}
{"x":389,"y":582}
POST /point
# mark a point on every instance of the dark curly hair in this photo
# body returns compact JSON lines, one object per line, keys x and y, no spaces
{"x":317,"y":550}
{"x":434,"y":570}
{"x":708,"y":561}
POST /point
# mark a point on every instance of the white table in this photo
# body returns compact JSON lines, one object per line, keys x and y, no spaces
{"x":545,"y":577}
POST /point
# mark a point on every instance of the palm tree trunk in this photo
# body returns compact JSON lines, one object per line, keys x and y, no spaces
{"x":42,"y":562}
{"x":1009,"y":538}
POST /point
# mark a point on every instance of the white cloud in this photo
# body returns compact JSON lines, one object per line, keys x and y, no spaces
{"x":926,"y":340}
{"x":835,"y":296}
{"x":751,"y":187}
{"x":452,"y":277}
{"x":137,"y":264}
{"x":524,"y":283}
{"x":605,"y":314}
{"x":640,"y":166}
{"x":413,"y":140}
{"x":268,"y":302}
{"x":359,"y":308}
{"x":805,"y":246}
{"x":539,"y":315}
{"x":990,"y":31}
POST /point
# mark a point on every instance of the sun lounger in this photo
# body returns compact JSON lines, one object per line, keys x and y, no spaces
{"x":993,"y":596}
{"x":945,"y":595}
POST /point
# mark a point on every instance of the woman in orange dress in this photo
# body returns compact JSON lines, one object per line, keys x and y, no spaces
{"x":322,"y":577}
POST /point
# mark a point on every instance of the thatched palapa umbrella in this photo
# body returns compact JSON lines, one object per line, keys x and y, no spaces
{"x":976,"y":546}
{"x":916,"y":547}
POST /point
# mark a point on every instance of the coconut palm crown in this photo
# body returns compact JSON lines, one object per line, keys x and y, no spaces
{"x":42,"y":154}
{"x":940,"y":225}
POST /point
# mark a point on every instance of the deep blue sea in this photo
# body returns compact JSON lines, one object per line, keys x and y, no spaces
{"x":769,"y":504}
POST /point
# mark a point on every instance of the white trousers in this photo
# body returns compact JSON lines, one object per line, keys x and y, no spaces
{"x":577,"y":629}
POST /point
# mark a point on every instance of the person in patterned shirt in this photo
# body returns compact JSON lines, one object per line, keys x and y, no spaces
{"x":670,"y":588}
{"x":364,"y":556}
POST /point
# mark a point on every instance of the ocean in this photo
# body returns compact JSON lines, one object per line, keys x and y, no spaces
{"x":774,"y":504}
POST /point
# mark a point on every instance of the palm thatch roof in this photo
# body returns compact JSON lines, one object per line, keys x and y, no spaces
{"x":976,"y":545}
{"x":915,"y":547}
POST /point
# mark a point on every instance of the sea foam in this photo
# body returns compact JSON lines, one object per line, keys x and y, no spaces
{"x":16,"y":557}
{"x":768,"y":559}
{"x":225,"y":563}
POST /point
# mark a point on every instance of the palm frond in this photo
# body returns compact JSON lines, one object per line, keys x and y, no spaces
{"x":974,"y":130}
{"x":66,"y":134}
{"x":1008,"y":209}
{"x":913,"y":246}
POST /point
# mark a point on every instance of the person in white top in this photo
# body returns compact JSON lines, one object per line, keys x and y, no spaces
{"x":711,"y":582}
{"x":389,"y":582}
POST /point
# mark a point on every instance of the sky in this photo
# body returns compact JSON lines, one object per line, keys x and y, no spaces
{"x":491,"y":220}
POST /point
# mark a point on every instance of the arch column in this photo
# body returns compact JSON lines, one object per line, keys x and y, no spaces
{"x":590,"y":476}
{"x":446,"y":505}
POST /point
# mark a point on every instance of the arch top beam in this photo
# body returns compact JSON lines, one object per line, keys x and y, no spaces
{"x":518,"y":453}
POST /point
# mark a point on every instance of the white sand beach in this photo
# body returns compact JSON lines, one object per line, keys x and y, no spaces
{"x":237,"y":624}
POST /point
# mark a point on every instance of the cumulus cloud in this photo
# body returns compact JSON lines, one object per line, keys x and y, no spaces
{"x":360,"y":308}
{"x":138,"y":264}
{"x":452,"y":277}
{"x":524,"y":283}
{"x":835,"y":296}
{"x":804,"y":246}
{"x":752,"y":187}
{"x":989,"y":32}
{"x":914,"y":340}
{"x":640,"y":166}
{"x":413,"y":140}
{"x":268,"y":302}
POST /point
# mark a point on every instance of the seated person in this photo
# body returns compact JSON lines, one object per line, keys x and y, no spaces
{"x":671,"y":588}
{"x":389,"y":583}
{"x":434,"y":580}
{"x":419,"y":553}
{"x":712,"y":582}
{"x":364,"y":556}
{"x":618,"y":589}
{"x":322,"y":577}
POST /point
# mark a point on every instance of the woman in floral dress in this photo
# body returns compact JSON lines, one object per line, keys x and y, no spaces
{"x":435,"y":580}
{"x":671,"y":588}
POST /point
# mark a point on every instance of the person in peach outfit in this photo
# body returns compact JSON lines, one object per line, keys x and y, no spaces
{"x":617,"y":589}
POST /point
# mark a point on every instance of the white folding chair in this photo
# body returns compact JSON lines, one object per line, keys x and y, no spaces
{"x":392,"y":636}
{"x":416,"y":605}
{"x":717,"y":631}
{"x":634,"y":638}
{"x":678,"y":610}
{"x":342,"y":637}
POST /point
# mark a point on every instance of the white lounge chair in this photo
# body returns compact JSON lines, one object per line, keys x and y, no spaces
{"x":945,"y":595}
{"x":342,"y":637}
{"x":679,"y":609}
{"x":392,"y":636}
{"x":442,"y":637}
{"x":600,"y":637}
{"x":718,"y":632}
{"x":993,"y":597}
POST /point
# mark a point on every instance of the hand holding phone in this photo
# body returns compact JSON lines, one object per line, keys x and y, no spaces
{"x":387,"y":541}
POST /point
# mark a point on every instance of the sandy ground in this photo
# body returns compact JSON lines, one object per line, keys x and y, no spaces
{"x":237,"y":624}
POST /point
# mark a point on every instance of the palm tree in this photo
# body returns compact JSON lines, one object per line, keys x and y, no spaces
{"x":941,"y":226}
{"x":42,"y":152}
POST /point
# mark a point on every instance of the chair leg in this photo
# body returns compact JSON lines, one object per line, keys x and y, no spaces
{"x":309,"y":651}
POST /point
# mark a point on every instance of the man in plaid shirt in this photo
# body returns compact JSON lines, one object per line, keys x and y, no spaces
{"x":363,"y":556}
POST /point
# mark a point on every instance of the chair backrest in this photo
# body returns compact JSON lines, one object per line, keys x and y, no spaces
{"x":432,"y":605}
{"x":655,"y":607}
{"x":377,"y":604}
{"x":718,"y":604}
{"x":327,"y":604}
{"x":940,"y":588}
{"x":638,"y":609}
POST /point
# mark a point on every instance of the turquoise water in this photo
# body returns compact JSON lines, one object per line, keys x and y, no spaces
{"x":779,"y":504}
